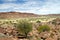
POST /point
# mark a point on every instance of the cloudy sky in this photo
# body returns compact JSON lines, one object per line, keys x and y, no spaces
{"x":32,"y":6}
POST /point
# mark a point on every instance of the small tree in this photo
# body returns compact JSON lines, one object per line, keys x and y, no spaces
{"x":24,"y":27}
{"x":43,"y":28}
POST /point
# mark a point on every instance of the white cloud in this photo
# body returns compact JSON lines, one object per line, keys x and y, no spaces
{"x":4,"y":6}
{"x":8,"y":0}
{"x":50,"y":7}
{"x":39,"y":7}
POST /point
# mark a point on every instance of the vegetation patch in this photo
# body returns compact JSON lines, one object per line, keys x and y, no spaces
{"x":43,"y":28}
{"x":24,"y":27}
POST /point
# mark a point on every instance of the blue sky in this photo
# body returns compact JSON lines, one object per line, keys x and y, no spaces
{"x":32,"y":6}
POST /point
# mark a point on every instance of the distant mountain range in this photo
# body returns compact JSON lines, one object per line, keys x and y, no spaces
{"x":22,"y":15}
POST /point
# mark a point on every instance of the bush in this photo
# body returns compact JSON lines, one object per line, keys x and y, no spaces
{"x":24,"y":27}
{"x":43,"y":28}
{"x":38,"y":21}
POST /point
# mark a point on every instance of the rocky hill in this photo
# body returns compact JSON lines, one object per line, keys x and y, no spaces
{"x":16,"y":15}
{"x":22,"y":15}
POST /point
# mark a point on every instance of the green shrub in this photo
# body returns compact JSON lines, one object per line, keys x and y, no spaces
{"x":38,"y":21}
{"x":24,"y":27}
{"x":43,"y":28}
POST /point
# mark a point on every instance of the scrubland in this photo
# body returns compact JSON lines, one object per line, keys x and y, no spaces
{"x":34,"y":28}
